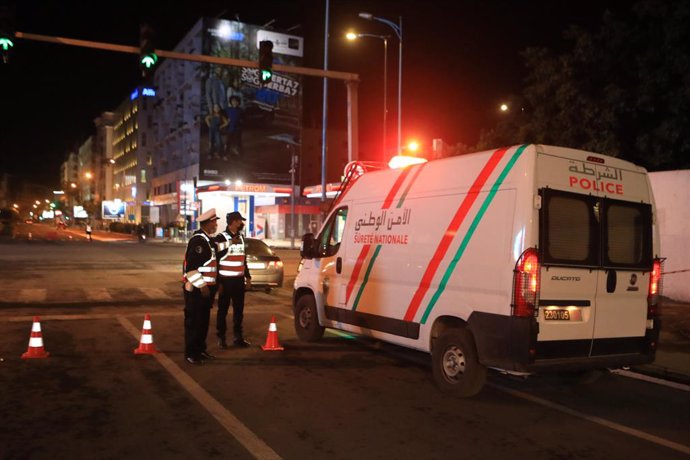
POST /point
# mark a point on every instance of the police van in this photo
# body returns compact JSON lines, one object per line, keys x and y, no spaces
{"x":523,"y":259}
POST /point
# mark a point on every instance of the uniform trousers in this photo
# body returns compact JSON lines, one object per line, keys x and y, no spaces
{"x":232,"y":292}
{"x":197,"y":313}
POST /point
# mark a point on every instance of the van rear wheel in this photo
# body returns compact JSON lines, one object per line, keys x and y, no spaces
{"x":307,"y":320}
{"x":455,"y":364}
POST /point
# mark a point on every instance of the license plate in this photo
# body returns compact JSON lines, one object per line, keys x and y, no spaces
{"x":557,"y":315}
{"x":256,"y":265}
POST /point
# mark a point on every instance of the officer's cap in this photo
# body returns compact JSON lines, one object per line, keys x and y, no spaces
{"x":232,"y":216}
{"x":208,"y":216}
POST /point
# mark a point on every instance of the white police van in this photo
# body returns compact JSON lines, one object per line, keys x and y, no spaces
{"x":522,"y":259}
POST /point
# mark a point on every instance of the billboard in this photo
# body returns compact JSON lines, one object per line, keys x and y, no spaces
{"x":113,"y":209}
{"x":80,"y":213}
{"x":248,"y":130}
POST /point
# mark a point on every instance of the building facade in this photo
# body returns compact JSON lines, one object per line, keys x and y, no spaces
{"x":219,"y":131}
{"x":131,"y":169}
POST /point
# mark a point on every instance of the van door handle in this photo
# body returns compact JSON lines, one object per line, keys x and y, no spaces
{"x":611,"y":280}
{"x":338,"y":265}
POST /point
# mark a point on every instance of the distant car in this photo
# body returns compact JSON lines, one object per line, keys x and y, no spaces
{"x":264,"y":265}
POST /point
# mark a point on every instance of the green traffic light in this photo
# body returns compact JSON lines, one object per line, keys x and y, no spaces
{"x":6,"y":43}
{"x":266,"y":75}
{"x":149,"y":60}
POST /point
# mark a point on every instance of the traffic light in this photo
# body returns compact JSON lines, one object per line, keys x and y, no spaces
{"x":6,"y":33}
{"x":147,"y":52}
{"x":265,"y":61}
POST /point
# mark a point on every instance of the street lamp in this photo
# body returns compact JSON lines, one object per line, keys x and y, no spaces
{"x":353,"y":36}
{"x":397,"y":28}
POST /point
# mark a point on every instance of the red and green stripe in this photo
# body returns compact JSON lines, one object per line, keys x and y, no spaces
{"x":386,"y":205}
{"x":365,"y":249}
{"x":452,"y":229}
{"x":470,"y":232}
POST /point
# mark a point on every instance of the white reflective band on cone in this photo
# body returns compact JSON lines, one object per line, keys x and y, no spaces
{"x":272,"y":328}
{"x":147,"y":324}
{"x":35,"y":342}
{"x":36,"y":327}
{"x":146,"y":338}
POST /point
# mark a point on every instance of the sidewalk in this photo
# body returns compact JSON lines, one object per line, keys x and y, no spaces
{"x":673,"y":353}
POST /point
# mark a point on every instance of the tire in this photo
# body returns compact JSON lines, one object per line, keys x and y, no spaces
{"x":455,"y":364}
{"x":307,"y":320}
{"x":267,"y":290}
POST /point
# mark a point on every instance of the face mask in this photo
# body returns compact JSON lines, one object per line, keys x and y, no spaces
{"x":240,"y":228}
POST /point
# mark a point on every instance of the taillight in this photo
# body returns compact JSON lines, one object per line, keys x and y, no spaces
{"x":275,"y":264}
{"x":654,"y":288}
{"x":526,"y":284}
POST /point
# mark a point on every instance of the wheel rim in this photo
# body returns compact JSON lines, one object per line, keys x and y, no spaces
{"x":453,"y":364}
{"x":305,"y":318}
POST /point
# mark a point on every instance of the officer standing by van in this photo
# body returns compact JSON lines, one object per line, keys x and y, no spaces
{"x":232,"y":272}
{"x":199,"y":277}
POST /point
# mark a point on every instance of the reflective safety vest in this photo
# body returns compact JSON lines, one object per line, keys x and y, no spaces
{"x":231,"y":263}
{"x":207,"y":271}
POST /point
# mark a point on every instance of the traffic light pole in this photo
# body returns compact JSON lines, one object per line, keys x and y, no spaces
{"x":351,"y":79}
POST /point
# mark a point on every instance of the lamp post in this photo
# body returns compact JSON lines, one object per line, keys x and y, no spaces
{"x":353,"y":36}
{"x":397,"y":28}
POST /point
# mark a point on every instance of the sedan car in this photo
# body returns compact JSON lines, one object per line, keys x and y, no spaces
{"x":264,"y":265}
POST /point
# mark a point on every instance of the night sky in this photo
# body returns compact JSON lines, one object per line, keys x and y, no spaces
{"x":460,"y":60}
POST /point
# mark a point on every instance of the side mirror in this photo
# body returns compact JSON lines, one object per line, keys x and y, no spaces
{"x":306,"y":249}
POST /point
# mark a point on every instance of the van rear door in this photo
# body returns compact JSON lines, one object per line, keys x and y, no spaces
{"x":623,"y":280}
{"x":569,"y":257}
{"x":596,"y":256}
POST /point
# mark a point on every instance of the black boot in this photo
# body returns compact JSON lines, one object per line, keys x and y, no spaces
{"x":240,"y":342}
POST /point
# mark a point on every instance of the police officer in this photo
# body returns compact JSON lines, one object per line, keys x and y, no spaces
{"x":232,"y":272}
{"x":199,"y":277}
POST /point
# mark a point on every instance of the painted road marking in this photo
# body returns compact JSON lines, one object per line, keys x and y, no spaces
{"x":33,"y":295}
{"x":647,"y":378}
{"x":260,"y":450}
{"x":99,"y":295}
{"x":598,"y":420}
{"x":232,"y":424}
{"x":154,"y":293}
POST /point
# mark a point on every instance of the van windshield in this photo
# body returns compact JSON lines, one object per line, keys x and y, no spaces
{"x":583,"y":230}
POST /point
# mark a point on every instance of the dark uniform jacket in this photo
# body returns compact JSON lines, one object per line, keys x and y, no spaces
{"x":200,"y":265}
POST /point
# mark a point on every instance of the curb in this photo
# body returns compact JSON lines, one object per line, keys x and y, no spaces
{"x":663,"y":373}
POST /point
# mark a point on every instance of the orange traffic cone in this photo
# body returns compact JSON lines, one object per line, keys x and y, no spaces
{"x":35,"y":349}
{"x":272,"y":338}
{"x":146,"y":346}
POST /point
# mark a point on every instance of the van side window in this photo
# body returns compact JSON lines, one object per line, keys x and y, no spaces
{"x":332,"y":234}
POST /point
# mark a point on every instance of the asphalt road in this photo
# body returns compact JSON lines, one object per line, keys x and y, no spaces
{"x":340,"y":398}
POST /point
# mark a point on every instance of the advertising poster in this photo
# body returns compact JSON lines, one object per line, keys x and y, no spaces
{"x":113,"y":209}
{"x":249,"y":130}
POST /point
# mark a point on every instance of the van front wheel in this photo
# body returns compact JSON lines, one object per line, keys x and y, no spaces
{"x":455,"y":364}
{"x":307,"y":320}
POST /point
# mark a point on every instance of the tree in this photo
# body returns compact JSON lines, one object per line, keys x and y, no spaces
{"x":622,"y":91}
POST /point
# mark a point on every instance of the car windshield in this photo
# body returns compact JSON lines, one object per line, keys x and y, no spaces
{"x":257,"y":248}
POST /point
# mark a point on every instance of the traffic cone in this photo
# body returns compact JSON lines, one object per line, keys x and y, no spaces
{"x":272,"y":338}
{"x":35,"y":349}
{"x":146,"y":346}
